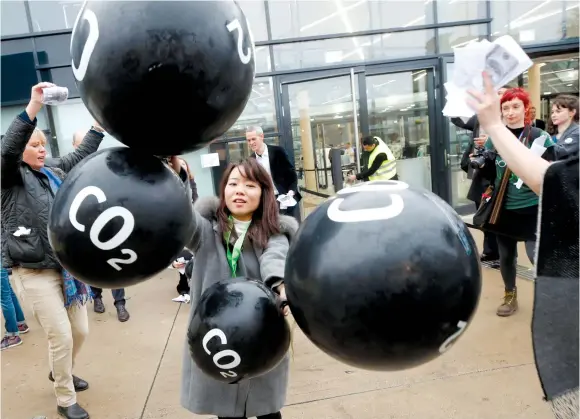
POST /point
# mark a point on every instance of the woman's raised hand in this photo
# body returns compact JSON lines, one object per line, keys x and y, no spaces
{"x":486,"y":104}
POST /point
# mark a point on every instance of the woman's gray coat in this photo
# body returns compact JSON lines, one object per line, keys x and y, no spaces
{"x":200,"y":393}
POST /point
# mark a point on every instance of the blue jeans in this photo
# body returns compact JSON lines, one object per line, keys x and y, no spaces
{"x":11,"y":309}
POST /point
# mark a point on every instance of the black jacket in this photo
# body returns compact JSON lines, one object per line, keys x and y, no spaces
{"x":27,"y":197}
{"x":472,"y":125}
{"x":568,"y":144}
{"x":283,"y":173}
{"x":480,"y":178}
{"x":538,"y":123}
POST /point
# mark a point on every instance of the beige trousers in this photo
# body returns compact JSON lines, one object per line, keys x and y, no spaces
{"x":66,"y":329}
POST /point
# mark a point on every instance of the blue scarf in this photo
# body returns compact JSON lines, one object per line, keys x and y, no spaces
{"x":75,"y":291}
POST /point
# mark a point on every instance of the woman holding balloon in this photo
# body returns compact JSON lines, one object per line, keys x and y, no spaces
{"x":241,"y":234}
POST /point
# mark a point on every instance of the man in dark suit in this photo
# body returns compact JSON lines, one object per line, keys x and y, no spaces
{"x":276,"y":162}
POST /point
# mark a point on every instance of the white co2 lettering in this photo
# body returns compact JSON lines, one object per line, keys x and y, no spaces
{"x":236,"y":360}
{"x":371,"y":214}
{"x":119,"y":238}
{"x":245,"y":57}
{"x":90,"y":44}
{"x":447,"y":344}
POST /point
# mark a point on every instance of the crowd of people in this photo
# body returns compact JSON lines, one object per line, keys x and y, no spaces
{"x":517,"y":203}
{"x":246,"y":232}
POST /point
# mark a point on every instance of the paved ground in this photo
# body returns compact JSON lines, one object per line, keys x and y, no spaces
{"x":134,"y":368}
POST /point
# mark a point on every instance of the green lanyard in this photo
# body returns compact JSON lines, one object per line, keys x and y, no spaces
{"x":234,"y":256}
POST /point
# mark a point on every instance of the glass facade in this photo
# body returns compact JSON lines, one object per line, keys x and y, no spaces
{"x":328,"y":72}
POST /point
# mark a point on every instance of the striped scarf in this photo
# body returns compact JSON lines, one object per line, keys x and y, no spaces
{"x":75,"y":291}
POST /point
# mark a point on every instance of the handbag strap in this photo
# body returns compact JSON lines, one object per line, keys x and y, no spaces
{"x":498,"y":204}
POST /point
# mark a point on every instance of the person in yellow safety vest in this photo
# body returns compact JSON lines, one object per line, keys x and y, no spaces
{"x":382,"y":164}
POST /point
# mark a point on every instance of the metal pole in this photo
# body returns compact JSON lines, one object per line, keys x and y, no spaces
{"x":354,"y":108}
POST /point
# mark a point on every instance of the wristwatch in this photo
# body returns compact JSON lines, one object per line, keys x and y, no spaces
{"x":98,"y":129}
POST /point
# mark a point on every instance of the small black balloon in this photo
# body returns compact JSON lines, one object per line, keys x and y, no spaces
{"x":238,"y":331}
{"x":144,"y":68}
{"x":383,"y":276}
{"x":119,"y":217}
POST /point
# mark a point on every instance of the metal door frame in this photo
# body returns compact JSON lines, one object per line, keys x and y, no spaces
{"x":283,"y":82}
{"x":436,"y":142}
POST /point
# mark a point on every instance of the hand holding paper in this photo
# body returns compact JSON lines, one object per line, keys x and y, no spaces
{"x":286,"y":201}
{"x":502,"y":59}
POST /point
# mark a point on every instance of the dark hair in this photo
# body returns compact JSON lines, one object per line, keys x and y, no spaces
{"x":369,"y":140}
{"x":563,"y":101}
{"x":265,"y":220}
{"x":188,"y":170}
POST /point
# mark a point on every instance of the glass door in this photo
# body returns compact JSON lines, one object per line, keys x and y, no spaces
{"x":319,"y":115}
{"x":456,"y":141}
{"x":401,"y":111}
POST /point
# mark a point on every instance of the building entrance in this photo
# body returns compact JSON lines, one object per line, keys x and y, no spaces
{"x":334,"y":109}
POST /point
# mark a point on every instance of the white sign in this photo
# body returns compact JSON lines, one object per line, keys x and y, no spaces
{"x":210,"y":160}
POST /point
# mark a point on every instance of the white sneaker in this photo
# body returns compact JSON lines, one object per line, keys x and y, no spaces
{"x":185,"y":298}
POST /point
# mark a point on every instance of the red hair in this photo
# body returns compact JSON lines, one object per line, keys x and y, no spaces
{"x":521,"y":94}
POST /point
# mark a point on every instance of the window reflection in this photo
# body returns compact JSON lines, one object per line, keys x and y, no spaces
{"x":293,"y":19}
{"x":256,"y":15}
{"x":399,"y":115}
{"x":53,"y":15}
{"x":54,"y":50}
{"x":572,"y":15}
{"x":13,"y":18}
{"x":238,"y":151}
{"x":17,"y":71}
{"x":558,"y":75}
{"x":460,"y":36}
{"x":453,"y":10}
{"x":260,"y":110}
{"x":533,"y":21}
{"x":322,"y":118}
{"x":459,"y":140}
{"x":262,"y":60}
{"x":356,"y":49}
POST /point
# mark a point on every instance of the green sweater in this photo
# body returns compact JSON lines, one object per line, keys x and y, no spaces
{"x":523,"y":197}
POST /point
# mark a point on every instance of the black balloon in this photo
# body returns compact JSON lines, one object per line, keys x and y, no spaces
{"x":238,"y":331}
{"x":163,"y":76}
{"x":383,"y":276}
{"x":119,"y":218}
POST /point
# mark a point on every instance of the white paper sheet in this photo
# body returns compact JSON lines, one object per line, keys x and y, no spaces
{"x":286,"y":201}
{"x":210,"y":160}
{"x":503,"y":59}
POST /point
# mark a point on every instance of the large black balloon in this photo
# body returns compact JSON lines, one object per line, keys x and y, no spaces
{"x":119,"y":218}
{"x":238,"y":331}
{"x":383,"y":276}
{"x":163,"y":76}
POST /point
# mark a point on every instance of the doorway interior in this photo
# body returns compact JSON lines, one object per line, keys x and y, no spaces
{"x":335,"y":109}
